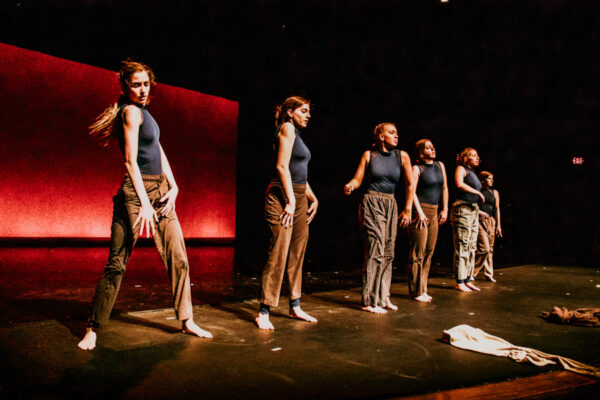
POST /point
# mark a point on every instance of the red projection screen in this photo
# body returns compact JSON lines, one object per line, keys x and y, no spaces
{"x":58,"y":183}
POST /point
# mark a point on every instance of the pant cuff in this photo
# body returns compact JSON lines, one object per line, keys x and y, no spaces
{"x":264,"y":309}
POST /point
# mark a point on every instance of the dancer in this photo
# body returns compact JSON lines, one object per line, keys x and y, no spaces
{"x":464,"y":219}
{"x":145,"y":203}
{"x":287,"y":212}
{"x":378,"y":213}
{"x":489,"y":227}
{"x":429,"y":177}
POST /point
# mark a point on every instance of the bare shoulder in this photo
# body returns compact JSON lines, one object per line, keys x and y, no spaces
{"x":405,"y":158}
{"x":132,"y":114}
{"x":287,"y":130}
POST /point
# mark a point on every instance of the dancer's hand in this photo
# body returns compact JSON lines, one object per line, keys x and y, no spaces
{"x":498,"y":231}
{"x":443,"y":216}
{"x":481,"y":196}
{"x":421,"y":220}
{"x":312,"y":211}
{"x":146,"y":218}
{"x":404,"y":218}
{"x":348,"y":189}
{"x":287,"y":218}
{"x":169,"y":200}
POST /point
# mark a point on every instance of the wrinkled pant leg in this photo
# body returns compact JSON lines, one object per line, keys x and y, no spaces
{"x":489,"y":267}
{"x":462,"y":228}
{"x":279,"y":244}
{"x":391,"y":230}
{"x":122,"y":240}
{"x":298,"y":242}
{"x":474,"y":230}
{"x":431,"y":240}
{"x":488,"y":264}
{"x":483,"y":245}
{"x":373,"y":226}
{"x":417,"y":240}
{"x":170,"y":243}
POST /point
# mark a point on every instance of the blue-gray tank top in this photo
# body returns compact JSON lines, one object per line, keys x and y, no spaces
{"x":384,"y":171}
{"x":489,"y":205}
{"x":299,"y":160}
{"x":471,"y":180}
{"x":431,"y":183}
{"x":148,"y":157}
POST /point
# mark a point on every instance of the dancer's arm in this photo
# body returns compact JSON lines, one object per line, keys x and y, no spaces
{"x":459,"y":180}
{"x":404,"y":216}
{"x":443,"y":215}
{"x":359,"y":174}
{"x":498,"y":227}
{"x":169,"y":197}
{"x":132,"y":119}
{"x":422,"y":219}
{"x":314,"y":203}
{"x":286,"y":138}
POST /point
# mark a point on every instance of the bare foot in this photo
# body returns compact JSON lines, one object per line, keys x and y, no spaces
{"x":189,"y":326}
{"x":462,"y":287}
{"x":298,"y":313}
{"x":470,"y":285}
{"x":428,"y":296}
{"x":491,"y":279}
{"x":89,"y":340}
{"x":374,"y":310}
{"x":388,"y":304}
{"x":423,"y":298}
{"x":263,"y":322}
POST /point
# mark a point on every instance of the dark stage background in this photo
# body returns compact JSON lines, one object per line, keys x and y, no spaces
{"x":517,"y":80}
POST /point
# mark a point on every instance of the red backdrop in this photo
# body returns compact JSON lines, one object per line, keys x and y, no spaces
{"x":57,"y":182}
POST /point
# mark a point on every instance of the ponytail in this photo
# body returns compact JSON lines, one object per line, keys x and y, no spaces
{"x":103,"y":128}
{"x":378,"y":131}
{"x":461,"y":158}
{"x":291,"y":103}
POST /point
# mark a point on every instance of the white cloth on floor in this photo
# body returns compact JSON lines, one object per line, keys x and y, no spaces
{"x":469,"y":338}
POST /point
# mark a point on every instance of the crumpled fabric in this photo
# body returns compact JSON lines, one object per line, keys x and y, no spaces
{"x":581,"y":316}
{"x":469,"y":338}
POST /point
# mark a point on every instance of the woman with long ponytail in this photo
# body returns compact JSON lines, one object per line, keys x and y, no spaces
{"x":145,"y":203}
{"x":287,"y":212}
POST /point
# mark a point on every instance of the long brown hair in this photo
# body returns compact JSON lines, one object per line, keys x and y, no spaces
{"x":419,"y":147}
{"x":378,"y":131}
{"x":291,"y":103}
{"x":103,"y":128}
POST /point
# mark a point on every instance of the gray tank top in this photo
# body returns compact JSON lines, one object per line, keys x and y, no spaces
{"x":489,"y":206}
{"x":384,"y":171}
{"x":299,"y":158}
{"x":471,"y":180}
{"x":148,"y":157}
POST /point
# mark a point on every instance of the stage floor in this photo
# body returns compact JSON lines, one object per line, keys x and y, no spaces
{"x":348,"y":354}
